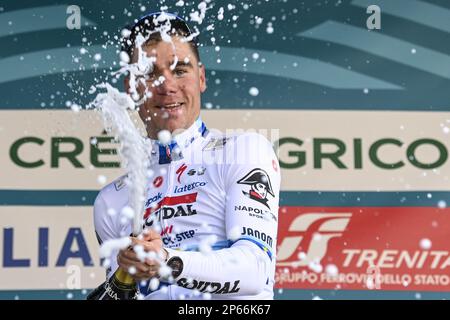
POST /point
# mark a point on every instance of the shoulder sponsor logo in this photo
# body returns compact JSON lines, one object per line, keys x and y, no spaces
{"x":260,"y":186}
{"x":211,"y":287}
{"x":200,"y":171}
{"x":258,"y":235}
{"x":189,"y":187}
{"x":257,"y":213}
{"x":215,"y":144}
{"x":180,"y":171}
{"x":320,"y":227}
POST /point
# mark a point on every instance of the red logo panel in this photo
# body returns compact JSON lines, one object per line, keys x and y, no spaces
{"x":360,"y":248}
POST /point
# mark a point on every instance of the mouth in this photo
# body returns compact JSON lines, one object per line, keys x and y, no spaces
{"x":171,"y":106}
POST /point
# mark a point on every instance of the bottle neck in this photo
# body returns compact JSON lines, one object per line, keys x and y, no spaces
{"x":124,"y":277}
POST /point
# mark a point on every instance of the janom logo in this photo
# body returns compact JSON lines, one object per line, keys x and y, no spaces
{"x":311,"y":233}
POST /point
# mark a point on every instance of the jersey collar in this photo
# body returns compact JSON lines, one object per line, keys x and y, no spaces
{"x":174,"y":150}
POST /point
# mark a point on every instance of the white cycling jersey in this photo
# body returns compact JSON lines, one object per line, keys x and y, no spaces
{"x":207,"y":191}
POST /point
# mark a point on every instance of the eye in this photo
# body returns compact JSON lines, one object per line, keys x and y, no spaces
{"x":179,"y":72}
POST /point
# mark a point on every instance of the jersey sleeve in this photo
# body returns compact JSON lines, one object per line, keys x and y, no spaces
{"x":105,"y":229}
{"x":253,"y":188}
{"x":251,"y":182}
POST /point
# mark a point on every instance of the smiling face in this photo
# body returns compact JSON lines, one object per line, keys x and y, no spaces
{"x":175,"y":88}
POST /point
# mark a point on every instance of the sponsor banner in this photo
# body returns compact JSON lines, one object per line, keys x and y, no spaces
{"x":55,"y":150}
{"x":318,"y":150}
{"x":48,"y":248}
{"x":363,"y":248}
{"x":347,"y":248}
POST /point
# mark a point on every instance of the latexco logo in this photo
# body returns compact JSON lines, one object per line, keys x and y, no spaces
{"x":311,"y":233}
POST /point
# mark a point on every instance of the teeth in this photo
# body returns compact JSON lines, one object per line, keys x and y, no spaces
{"x":173,"y":105}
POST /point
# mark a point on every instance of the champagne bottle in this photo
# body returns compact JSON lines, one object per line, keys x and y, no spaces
{"x":120,"y":286}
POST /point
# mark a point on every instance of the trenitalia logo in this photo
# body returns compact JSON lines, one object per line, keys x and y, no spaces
{"x":370,"y":246}
{"x":311,"y":233}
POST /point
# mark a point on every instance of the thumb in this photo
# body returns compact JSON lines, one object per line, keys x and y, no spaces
{"x":150,"y":234}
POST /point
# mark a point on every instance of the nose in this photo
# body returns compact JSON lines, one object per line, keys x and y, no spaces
{"x":167,"y":84}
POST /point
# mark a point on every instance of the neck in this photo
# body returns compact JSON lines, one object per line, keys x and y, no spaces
{"x":179,"y":134}
{"x":152,"y":132}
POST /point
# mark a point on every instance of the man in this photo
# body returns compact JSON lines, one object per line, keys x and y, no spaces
{"x":212,"y":202}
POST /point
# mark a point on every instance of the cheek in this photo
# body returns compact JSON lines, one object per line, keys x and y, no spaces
{"x":144,"y":113}
{"x":190,"y":83}
{"x":191,"y":90}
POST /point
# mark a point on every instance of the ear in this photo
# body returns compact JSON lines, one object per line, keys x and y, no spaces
{"x":202,"y":77}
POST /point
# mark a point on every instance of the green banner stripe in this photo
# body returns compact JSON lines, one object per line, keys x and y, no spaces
{"x":287,"y":198}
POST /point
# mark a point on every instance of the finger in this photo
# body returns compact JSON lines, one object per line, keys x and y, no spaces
{"x":141,"y":277}
{"x":153,"y":245}
{"x":141,"y":242}
{"x":130,"y":255}
{"x":150,"y":234}
{"x":152,"y":263}
{"x":127,"y":264}
{"x":124,"y":263}
{"x":135,"y":241}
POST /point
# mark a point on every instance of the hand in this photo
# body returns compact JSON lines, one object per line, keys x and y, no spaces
{"x":150,"y":242}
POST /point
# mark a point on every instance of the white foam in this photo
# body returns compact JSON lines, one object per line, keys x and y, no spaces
{"x":109,"y":246}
